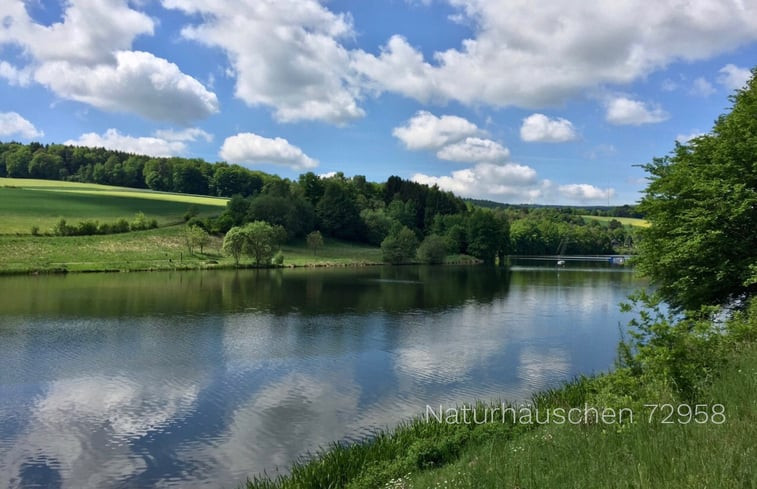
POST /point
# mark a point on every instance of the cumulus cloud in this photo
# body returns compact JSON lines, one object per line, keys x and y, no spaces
{"x":540,"y":128}
{"x":12,"y":124}
{"x":425,"y":131}
{"x":509,"y":181}
{"x":249,"y":148}
{"x":189,"y":134}
{"x":15,"y":76}
{"x":286,"y":54}
{"x":733,"y":77}
{"x":139,"y":82}
{"x":583,"y":192}
{"x":112,"y":139}
{"x":474,"y":150}
{"x":530,"y":57}
{"x":86,"y":57}
{"x":625,"y":111}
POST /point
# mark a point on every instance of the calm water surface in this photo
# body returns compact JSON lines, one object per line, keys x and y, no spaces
{"x":201,"y":379}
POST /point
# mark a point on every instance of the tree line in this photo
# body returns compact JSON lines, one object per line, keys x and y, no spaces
{"x":407,"y":219}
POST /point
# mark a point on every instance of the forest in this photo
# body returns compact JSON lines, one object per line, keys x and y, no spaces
{"x":400,"y":215}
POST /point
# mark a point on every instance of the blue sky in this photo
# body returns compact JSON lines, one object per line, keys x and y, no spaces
{"x":504,"y":100}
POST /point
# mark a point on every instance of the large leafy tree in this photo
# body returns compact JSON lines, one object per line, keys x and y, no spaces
{"x":487,"y":235}
{"x":701,"y":247}
{"x":400,"y":246}
{"x":338,"y":213}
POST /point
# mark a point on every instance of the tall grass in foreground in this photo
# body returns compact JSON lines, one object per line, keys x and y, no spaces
{"x":720,"y":369}
{"x":638,"y":455}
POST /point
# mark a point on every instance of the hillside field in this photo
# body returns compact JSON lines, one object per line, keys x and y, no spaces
{"x":27,"y":202}
{"x":626,"y":221}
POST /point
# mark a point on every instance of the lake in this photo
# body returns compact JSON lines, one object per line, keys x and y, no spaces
{"x":199,"y":379}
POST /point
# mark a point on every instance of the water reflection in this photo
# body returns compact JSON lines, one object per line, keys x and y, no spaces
{"x":200,"y":379}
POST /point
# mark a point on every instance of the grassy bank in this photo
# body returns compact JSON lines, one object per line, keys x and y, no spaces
{"x":157,"y":249}
{"x":42,"y":203}
{"x":637,"y":453}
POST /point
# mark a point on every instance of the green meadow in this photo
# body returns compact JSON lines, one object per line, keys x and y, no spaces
{"x":626,"y":221}
{"x":164,"y":248}
{"x":42,"y":203}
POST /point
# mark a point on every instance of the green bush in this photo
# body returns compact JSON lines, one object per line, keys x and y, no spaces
{"x":432,"y":250}
{"x":399,"y":246}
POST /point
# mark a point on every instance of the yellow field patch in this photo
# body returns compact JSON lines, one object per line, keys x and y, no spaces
{"x":629,"y":221}
{"x":96,"y":189}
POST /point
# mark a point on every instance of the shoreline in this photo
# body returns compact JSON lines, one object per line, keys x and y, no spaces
{"x":62,"y":269}
{"x":451,"y":447}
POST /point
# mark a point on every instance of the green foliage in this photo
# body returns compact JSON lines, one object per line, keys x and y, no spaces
{"x":338,"y":213}
{"x":400,"y":246}
{"x":196,"y":237}
{"x":261,"y":239}
{"x":237,"y":209}
{"x":432,"y":250}
{"x":257,"y":239}
{"x":315,"y":241}
{"x":295,"y":214}
{"x":701,"y":201}
{"x":278,"y":258}
{"x":377,"y":225}
{"x":192,"y":211}
{"x":234,"y":243}
{"x":487,"y":236}
{"x":139,"y":223}
{"x":90,"y":228}
{"x":682,"y":352}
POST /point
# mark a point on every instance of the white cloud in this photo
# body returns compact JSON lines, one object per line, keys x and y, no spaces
{"x":514,"y":183}
{"x":540,"y":128}
{"x":583,"y":192}
{"x":399,"y":68}
{"x":427,"y":131}
{"x":12,"y":124}
{"x":733,"y":77}
{"x":86,"y":57}
{"x":90,"y":32}
{"x":15,"y":76}
{"x":112,"y":139}
{"x":535,"y":57}
{"x":250,"y":148}
{"x":702,"y":87}
{"x":474,"y":150}
{"x":685,"y":138}
{"x":625,"y":111}
{"x":488,"y":180}
{"x":286,"y":54}
{"x":139,"y":82}
{"x":189,"y":134}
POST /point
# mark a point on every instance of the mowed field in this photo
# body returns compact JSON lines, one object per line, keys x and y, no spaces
{"x":626,"y":221}
{"x":27,"y":202}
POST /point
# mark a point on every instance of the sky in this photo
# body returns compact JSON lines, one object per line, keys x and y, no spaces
{"x":551,"y":102}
